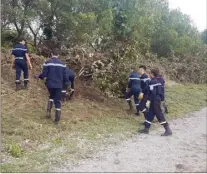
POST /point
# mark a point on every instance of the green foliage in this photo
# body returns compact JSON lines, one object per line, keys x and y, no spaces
{"x":8,"y":38}
{"x":149,"y":24}
{"x":87,"y":23}
{"x":15,"y":150}
{"x":57,"y":141}
{"x":128,"y":31}
{"x":185,"y":45}
{"x":105,"y":22}
{"x":31,"y":48}
{"x":113,"y":77}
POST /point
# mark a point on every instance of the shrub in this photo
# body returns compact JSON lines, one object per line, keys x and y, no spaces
{"x":15,"y":150}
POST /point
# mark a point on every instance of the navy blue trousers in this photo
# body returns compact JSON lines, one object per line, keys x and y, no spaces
{"x":135,"y":94}
{"x":155,"y":110}
{"x":142,"y":106}
{"x":55,"y":96}
{"x":21,"y":65}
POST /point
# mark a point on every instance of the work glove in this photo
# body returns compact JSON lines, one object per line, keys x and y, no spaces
{"x":148,"y":103}
{"x":141,"y":95}
{"x":44,"y":80}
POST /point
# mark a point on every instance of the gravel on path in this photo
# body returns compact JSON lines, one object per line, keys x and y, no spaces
{"x":184,"y":151}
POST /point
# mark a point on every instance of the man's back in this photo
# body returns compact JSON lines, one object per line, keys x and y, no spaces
{"x":19,"y":51}
{"x":55,"y":72}
{"x":134,"y":80}
{"x":161,"y":80}
{"x":156,"y":89}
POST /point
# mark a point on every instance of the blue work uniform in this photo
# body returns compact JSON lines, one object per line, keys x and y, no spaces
{"x":134,"y":85}
{"x":156,"y":95}
{"x":54,"y":70}
{"x":144,"y":86}
{"x":19,"y":52}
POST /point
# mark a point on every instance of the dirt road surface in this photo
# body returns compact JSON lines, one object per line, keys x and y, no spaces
{"x":185,"y":151}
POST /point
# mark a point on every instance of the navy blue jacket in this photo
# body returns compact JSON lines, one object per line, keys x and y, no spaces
{"x":134,"y":82}
{"x":19,"y":52}
{"x":144,"y":83}
{"x":71,"y":77}
{"x":156,"y":89}
{"x":54,"y":70}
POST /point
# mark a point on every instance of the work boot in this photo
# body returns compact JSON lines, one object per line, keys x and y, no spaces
{"x":137,"y":113}
{"x":144,"y":131}
{"x":167,"y":130}
{"x":49,"y":108}
{"x":143,"y":123}
{"x":57,"y":116}
{"x":25,"y":85}
{"x":18,"y":87}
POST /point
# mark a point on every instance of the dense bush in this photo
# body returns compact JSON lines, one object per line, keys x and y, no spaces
{"x":127,"y":32}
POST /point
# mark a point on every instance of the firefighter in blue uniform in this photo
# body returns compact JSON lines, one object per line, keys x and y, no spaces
{"x":20,"y":62}
{"x":54,"y":70}
{"x":156,"y":94}
{"x":144,"y":85}
{"x":134,"y":88}
{"x":71,"y":78}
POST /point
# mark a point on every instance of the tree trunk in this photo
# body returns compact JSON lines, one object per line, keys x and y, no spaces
{"x":35,"y":40}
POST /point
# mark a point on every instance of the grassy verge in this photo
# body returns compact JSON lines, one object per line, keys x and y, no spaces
{"x":37,"y":145}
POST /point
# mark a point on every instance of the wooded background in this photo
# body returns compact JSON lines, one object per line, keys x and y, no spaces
{"x":102,"y":40}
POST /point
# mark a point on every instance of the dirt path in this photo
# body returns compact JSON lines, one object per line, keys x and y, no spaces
{"x":185,"y":151}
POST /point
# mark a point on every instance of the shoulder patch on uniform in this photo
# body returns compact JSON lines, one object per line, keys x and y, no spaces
{"x":54,"y":64}
{"x":22,"y":49}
